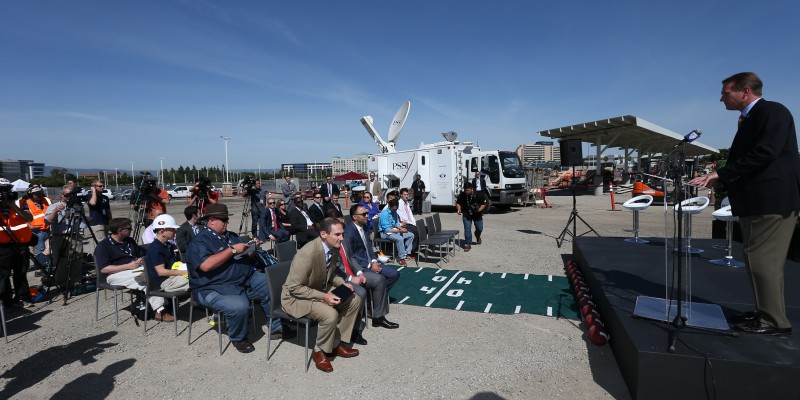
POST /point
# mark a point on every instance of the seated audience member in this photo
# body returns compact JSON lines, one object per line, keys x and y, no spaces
{"x":334,"y":204}
{"x":118,"y":256}
{"x":407,"y":218}
{"x":161,"y":255}
{"x":147,"y":234}
{"x":303,"y":227}
{"x":283,"y":215}
{"x":316,"y":211}
{"x":187,"y":230}
{"x":364,"y":262}
{"x":308,"y":293}
{"x":372,"y":208}
{"x":223,"y":278}
{"x":272,"y":229}
{"x":391,"y":228}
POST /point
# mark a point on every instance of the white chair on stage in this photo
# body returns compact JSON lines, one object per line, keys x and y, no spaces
{"x":690,"y":207}
{"x":636,"y":204}
{"x":724,"y":214}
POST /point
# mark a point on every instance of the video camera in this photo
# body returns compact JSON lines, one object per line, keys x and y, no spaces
{"x":202,"y":188}
{"x":77,"y":197}
{"x":7,"y":192}
{"x":146,"y":184}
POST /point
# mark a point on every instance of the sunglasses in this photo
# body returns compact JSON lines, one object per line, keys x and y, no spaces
{"x":367,"y":197}
{"x":364,"y":214}
{"x":269,"y":203}
{"x":317,"y":197}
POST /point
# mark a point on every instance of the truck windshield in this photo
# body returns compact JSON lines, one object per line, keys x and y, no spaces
{"x":512,"y":167}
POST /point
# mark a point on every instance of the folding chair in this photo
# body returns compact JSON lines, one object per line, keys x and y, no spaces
{"x":276,"y":277}
{"x":428,"y":242}
{"x":102,"y":283}
{"x":285,"y":251}
{"x":437,"y":223}
{"x":380,"y":242}
{"x":152,"y":288}
{"x":451,"y":235}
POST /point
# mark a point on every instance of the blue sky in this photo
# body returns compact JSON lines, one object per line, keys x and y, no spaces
{"x":98,"y":84}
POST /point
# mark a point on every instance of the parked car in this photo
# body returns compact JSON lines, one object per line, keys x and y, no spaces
{"x":108,"y":194}
{"x":181,"y":191}
{"x":123,"y":195}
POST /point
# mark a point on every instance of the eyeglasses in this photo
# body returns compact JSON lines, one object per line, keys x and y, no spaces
{"x":364,"y":214}
{"x":269,"y":203}
{"x":317,"y":197}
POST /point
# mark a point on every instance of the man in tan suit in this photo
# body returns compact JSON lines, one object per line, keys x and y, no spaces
{"x":374,"y":187}
{"x":307,"y":293}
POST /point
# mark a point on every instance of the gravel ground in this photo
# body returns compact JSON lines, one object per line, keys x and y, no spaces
{"x":61,"y":352}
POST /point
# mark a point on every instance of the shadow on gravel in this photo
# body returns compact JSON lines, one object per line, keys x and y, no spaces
{"x":487,"y":396}
{"x":41,"y":365}
{"x":23,"y":322}
{"x":94,"y":386}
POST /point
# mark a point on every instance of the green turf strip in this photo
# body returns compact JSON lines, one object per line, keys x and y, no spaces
{"x":493,"y":292}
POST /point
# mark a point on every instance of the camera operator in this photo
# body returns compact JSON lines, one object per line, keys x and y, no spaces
{"x":99,"y":211}
{"x":15,"y":237}
{"x":251,"y":188}
{"x":66,"y":235}
{"x":157,"y":200}
{"x":203,"y":195}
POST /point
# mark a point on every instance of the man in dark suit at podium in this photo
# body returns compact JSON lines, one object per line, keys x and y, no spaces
{"x":762,"y":176}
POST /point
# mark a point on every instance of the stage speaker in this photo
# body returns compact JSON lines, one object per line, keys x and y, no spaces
{"x":571,"y":152}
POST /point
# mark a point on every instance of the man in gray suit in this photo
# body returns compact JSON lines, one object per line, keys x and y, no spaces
{"x":308,"y":293}
{"x":288,"y":189}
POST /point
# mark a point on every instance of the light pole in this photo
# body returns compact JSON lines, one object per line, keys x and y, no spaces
{"x":225,"y":138}
{"x":133,"y":177}
{"x":116,"y":178}
{"x":161,"y":171}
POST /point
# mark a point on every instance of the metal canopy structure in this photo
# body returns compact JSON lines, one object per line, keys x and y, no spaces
{"x":628,"y":132}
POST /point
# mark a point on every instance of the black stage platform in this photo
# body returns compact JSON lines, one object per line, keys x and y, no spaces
{"x":744,"y":367}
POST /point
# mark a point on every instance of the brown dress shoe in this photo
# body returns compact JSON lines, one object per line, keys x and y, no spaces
{"x":344,"y":352}
{"x":163,"y":316}
{"x":321,"y":361}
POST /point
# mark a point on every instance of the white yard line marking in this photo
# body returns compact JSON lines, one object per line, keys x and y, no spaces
{"x":400,"y":269}
{"x":488,"y":307}
{"x":436,"y":296}
{"x":404,"y":299}
{"x":420,"y":269}
{"x":549,"y":311}
{"x":549,"y":278}
{"x":460,"y":303}
{"x":437,"y":271}
{"x":503,"y":276}
{"x":526,"y":277}
{"x":481,"y":274}
{"x":516,"y":310}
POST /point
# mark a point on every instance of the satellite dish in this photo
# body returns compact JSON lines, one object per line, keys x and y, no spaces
{"x":450,"y":136}
{"x":398,"y":121}
{"x":367,"y":122}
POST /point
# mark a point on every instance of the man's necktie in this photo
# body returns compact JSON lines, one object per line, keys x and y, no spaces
{"x":741,"y":118}
{"x":274,"y":220}
{"x":328,"y":260}
{"x":345,"y":262}
{"x":408,"y":211}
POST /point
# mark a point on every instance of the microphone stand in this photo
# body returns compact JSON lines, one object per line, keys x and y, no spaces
{"x":679,"y":322}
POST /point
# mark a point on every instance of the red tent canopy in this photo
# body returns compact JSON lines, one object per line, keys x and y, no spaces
{"x":350,"y":176}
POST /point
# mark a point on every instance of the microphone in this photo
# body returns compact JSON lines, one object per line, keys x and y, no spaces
{"x":690,"y":137}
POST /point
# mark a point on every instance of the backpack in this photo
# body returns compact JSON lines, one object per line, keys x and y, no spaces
{"x":263,"y":259}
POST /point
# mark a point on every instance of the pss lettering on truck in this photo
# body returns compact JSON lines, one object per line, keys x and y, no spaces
{"x":401,"y":165}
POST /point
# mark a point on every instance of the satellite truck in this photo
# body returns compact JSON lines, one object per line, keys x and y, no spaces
{"x":444,"y":166}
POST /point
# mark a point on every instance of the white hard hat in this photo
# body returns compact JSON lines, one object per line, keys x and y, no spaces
{"x":164,"y":221}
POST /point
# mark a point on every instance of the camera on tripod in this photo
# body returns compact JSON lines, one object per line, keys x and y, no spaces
{"x":76,"y":197}
{"x":7,"y":193}
{"x":146,"y":185}
{"x":202,"y":188}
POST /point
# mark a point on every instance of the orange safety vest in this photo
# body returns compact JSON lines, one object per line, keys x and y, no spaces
{"x":18,"y":226}
{"x":38,"y":214}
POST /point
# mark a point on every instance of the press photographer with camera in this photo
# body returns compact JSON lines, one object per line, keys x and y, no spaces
{"x":66,"y":235}
{"x":157,"y":200}
{"x":471,"y":205}
{"x":251,"y":190}
{"x":15,"y":237}
{"x":36,"y":203}
{"x":203,"y":194}
{"x":99,"y":211}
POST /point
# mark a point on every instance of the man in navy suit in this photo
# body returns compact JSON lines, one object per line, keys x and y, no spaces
{"x":379,"y":278}
{"x":762,"y":176}
{"x":328,"y":188}
{"x":270,"y":228}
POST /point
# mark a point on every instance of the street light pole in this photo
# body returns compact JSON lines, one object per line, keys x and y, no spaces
{"x":225,"y":138}
{"x":133,"y":177}
{"x":161,"y":171}
{"x":116,"y":178}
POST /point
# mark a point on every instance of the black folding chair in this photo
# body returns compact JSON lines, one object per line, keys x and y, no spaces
{"x":285,"y":251}
{"x":152,"y":288}
{"x":377,"y":240}
{"x":276,"y":277}
{"x":429,"y":242}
